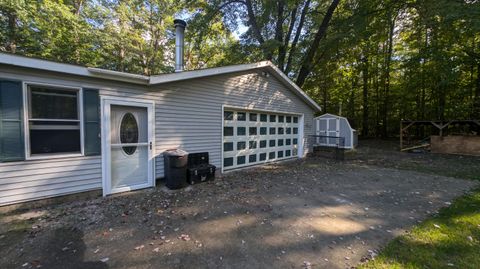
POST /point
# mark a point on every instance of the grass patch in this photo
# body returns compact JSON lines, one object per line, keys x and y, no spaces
{"x":450,"y":239}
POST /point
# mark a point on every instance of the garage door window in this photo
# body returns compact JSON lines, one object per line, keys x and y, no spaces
{"x":254,"y":138}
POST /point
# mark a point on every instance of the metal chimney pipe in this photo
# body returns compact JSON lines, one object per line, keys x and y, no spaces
{"x":179,"y":43}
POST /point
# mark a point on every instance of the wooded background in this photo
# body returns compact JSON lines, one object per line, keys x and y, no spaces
{"x":374,"y":61}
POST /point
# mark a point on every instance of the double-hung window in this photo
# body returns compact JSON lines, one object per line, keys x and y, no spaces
{"x":53,"y":121}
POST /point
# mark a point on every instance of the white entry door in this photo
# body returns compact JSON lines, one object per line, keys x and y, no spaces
{"x":128,"y":135}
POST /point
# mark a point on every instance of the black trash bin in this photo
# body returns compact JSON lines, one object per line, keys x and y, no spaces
{"x":175,"y":163}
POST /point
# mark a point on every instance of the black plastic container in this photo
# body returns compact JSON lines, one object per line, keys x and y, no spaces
{"x":175,"y":163}
{"x":199,"y":169}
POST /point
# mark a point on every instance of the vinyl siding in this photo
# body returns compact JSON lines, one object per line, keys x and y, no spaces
{"x":36,"y":179}
{"x":188,"y":114}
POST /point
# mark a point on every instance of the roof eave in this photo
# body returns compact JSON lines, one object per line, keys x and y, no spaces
{"x":40,"y":64}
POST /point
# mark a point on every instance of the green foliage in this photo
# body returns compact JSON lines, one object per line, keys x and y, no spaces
{"x":379,"y":62}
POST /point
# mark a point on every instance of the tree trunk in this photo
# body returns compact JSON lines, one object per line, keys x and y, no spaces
{"x":476,"y":99}
{"x":351,"y":100}
{"x":282,"y":50}
{"x":297,"y":36}
{"x":307,"y":64}
{"x":388,"y":60}
{"x":12,"y":31}
{"x":365,"y":131}
{"x":255,"y":29}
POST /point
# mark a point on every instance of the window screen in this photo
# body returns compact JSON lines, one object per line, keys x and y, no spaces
{"x":54,"y":122}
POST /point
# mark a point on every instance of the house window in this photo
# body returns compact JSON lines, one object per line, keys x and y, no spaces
{"x":263,"y":117}
{"x":53,"y":120}
{"x":252,"y":130}
{"x":240,"y":160}
{"x":241,"y":131}
{"x":241,"y":145}
{"x":253,"y":116}
{"x":228,"y":131}
{"x":228,"y":161}
{"x":228,"y":146}
{"x":241,"y":116}
{"x":271,"y":143}
{"x":228,"y":115}
{"x":263,"y":143}
{"x":263,"y":130}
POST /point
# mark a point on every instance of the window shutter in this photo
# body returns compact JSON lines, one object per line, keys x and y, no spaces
{"x":91,"y":119}
{"x":12,"y":144}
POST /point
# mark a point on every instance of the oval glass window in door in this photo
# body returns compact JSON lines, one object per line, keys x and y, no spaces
{"x":129,"y":133}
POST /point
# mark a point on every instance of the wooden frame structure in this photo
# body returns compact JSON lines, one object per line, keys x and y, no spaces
{"x":440,"y":125}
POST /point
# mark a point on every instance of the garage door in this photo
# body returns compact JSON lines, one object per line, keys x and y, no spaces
{"x":251,"y":137}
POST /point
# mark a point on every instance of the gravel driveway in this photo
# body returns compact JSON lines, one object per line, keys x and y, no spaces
{"x":309,"y":213}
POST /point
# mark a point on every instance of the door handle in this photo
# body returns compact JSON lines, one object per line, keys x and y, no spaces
{"x":150,"y":145}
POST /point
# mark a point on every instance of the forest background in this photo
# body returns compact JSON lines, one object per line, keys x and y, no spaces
{"x":373,"y":61}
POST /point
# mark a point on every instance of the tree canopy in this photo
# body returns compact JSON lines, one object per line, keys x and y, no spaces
{"x":374,"y":61}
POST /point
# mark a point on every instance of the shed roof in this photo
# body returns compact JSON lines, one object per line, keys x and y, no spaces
{"x":34,"y":63}
{"x":335,"y":116}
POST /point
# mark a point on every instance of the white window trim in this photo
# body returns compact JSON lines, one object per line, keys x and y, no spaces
{"x":26,"y":125}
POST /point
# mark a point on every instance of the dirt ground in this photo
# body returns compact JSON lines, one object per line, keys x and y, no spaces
{"x":312,"y":213}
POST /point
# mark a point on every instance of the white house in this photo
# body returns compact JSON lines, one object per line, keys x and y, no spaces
{"x":67,"y":129}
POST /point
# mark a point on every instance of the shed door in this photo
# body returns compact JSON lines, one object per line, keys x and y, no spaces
{"x":332,"y":131}
{"x":322,"y":131}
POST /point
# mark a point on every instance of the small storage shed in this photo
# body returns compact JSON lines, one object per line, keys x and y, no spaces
{"x":333,"y":126}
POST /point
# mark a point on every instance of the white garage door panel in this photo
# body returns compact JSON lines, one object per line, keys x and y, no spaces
{"x":251,"y":137}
